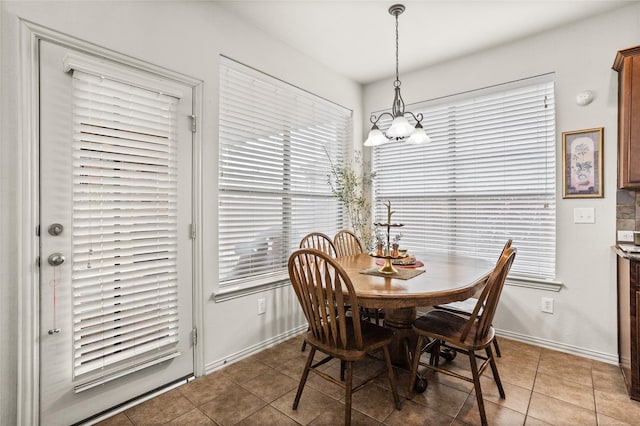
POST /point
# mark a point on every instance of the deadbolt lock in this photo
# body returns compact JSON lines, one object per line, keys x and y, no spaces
{"x":55,"y":229}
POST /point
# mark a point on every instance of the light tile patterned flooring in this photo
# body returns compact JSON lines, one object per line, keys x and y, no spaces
{"x":543,"y":387}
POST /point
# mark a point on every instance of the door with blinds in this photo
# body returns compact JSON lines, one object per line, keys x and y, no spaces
{"x":115,"y":213}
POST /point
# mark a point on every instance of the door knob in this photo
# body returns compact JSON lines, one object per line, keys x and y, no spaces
{"x":56,"y":259}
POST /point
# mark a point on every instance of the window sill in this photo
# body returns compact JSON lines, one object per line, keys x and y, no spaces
{"x":245,"y":288}
{"x":535,"y":283}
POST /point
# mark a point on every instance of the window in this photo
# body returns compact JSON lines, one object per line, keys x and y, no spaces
{"x":487,"y":175}
{"x":275,"y":145}
{"x":125,"y":218}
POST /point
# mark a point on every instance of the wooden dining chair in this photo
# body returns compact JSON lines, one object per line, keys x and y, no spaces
{"x":322,"y":287}
{"x":322,"y":242}
{"x":442,"y":329}
{"x":347,"y":243}
{"x":465,"y":307}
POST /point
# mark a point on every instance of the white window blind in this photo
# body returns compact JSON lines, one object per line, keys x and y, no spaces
{"x":124,"y":275}
{"x":275,"y":145}
{"x":487,"y":176}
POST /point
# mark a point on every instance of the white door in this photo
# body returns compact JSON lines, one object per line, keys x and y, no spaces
{"x":116,"y":204}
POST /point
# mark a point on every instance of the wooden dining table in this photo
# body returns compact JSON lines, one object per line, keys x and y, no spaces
{"x":447,"y":278}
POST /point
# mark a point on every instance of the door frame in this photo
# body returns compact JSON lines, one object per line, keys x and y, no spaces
{"x":30,"y":33}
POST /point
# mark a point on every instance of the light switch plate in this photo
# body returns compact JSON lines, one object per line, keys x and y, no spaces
{"x":584,"y":215}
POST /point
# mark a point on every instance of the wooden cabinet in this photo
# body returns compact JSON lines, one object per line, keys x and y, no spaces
{"x":627,"y":63}
{"x":629,"y":323}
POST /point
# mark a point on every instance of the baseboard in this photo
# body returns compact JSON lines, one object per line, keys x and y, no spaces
{"x":237,"y":356}
{"x":536,"y":341}
{"x":561,"y":347}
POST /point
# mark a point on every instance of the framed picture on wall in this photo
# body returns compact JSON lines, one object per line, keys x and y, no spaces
{"x":582,"y":163}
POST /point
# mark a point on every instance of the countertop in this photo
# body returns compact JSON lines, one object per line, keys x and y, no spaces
{"x":627,"y":251}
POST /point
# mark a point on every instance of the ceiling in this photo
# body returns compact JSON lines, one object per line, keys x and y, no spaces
{"x":357,"y":38}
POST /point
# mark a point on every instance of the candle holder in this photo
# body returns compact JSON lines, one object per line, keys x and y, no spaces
{"x":388,"y":267}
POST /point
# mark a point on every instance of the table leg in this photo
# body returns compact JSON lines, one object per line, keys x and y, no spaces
{"x":404,"y":342}
{"x":401,"y":320}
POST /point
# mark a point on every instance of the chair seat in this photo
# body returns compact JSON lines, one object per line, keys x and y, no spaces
{"x":443,"y":325}
{"x":373,"y":337}
{"x":464,"y":307}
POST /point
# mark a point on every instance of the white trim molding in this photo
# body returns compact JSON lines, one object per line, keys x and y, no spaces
{"x":560,"y":347}
{"x":254,"y":349}
{"x":28,"y":246}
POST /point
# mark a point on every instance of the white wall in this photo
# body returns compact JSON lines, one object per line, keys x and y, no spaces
{"x":182,"y":36}
{"x":581,"y":56}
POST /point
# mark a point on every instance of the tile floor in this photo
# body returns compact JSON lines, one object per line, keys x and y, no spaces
{"x":543,"y":387}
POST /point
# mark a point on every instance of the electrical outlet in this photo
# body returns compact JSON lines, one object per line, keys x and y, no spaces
{"x":625,"y":236}
{"x":546,"y":305}
{"x":262,"y":306}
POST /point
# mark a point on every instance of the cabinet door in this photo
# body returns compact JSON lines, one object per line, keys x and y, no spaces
{"x":624,"y":325}
{"x":629,"y":123}
{"x":634,"y":391}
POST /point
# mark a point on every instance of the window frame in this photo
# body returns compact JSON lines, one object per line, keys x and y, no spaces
{"x":523,"y":280}
{"x":296,"y":138}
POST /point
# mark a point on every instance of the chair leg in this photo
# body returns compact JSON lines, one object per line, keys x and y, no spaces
{"x":348,"y":390}
{"x":342,"y":370}
{"x":303,"y":379}
{"x":476,"y":384}
{"x":497,"y":347}
{"x":435,"y":354}
{"x":304,"y":346}
{"x":391,"y":376}
{"x":414,"y":366}
{"x":494,"y":370}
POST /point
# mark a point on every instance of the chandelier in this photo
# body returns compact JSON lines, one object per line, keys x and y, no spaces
{"x":400,"y":129}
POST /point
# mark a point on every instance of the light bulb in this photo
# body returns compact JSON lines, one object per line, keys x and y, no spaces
{"x":376,"y":137}
{"x":400,"y":128}
{"x":419,"y":136}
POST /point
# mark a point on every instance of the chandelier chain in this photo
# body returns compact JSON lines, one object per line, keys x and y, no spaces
{"x":397,"y":46}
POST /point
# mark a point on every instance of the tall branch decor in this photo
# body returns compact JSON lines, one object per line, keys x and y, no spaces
{"x":349,"y":188}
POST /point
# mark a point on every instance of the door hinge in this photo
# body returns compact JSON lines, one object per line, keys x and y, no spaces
{"x":37,"y":261}
{"x":194,"y":336}
{"x":192,"y":231}
{"x":38,"y":231}
{"x":193,"y":123}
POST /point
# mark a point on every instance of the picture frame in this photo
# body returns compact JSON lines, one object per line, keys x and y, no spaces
{"x":582,"y":163}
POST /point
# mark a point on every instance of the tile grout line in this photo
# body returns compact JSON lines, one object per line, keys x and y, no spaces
{"x":533,"y":385}
{"x":595,"y":401}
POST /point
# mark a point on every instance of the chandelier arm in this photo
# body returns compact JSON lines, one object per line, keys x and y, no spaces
{"x":375,"y":118}
{"x":418,"y":117}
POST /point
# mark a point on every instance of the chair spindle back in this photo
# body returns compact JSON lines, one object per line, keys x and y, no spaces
{"x":347,"y":243}
{"x":319,"y":241}
{"x":485,"y":309}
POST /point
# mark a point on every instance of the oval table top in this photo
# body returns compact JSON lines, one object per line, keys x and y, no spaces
{"x":447,"y":278}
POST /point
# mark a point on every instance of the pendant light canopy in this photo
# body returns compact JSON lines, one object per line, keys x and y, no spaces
{"x":400,"y":129}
